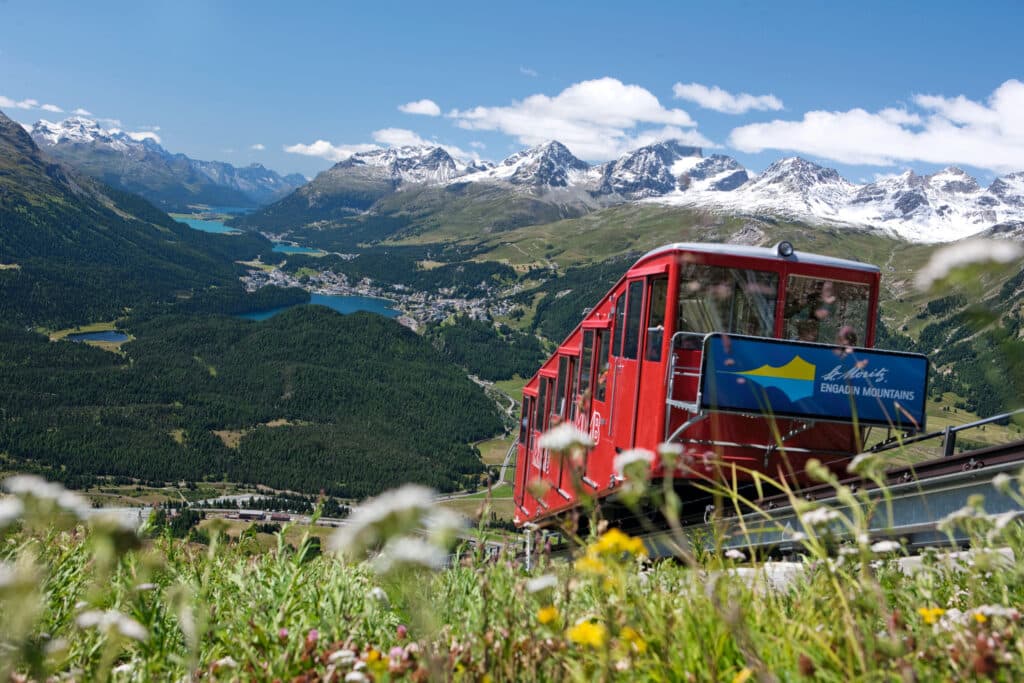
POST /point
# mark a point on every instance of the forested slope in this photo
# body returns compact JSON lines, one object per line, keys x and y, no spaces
{"x":369,"y":404}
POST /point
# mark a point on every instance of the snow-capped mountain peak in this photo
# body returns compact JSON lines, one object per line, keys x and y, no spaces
{"x":410,"y":164}
{"x":548,"y":165}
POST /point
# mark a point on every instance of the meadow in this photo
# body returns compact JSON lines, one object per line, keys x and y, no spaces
{"x":91,"y":600}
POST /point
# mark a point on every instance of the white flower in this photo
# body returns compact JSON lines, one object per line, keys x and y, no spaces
{"x":10,"y":510}
{"x":123,"y":668}
{"x":112,"y":620}
{"x":734,"y":554}
{"x":564,"y":438}
{"x":390,"y":514}
{"x":146,"y":587}
{"x":864,"y":463}
{"x":882,"y":547}
{"x":627,"y":461}
{"x":29,"y":485}
{"x":670,"y":448}
{"x":997,"y":611}
{"x":956,"y":518}
{"x":541,"y":583}
{"x":1004,"y":518}
{"x":356,"y":677}
{"x":1001,"y":482}
{"x":377,"y":594}
{"x":227,"y":662}
{"x":965,"y":253}
{"x":344,"y":658}
{"x":409,"y":552}
{"x":819,"y":516}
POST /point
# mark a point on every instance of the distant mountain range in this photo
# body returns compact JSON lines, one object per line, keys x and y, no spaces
{"x":138,"y":164}
{"x":73,"y":250}
{"x":945,"y":206}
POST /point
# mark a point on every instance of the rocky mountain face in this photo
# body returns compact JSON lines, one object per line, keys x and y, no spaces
{"x":944,"y":206}
{"x":135,"y":162}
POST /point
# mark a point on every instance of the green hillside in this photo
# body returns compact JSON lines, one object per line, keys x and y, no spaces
{"x":74,"y":251}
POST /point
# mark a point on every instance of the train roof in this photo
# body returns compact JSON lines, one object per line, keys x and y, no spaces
{"x":768,"y":253}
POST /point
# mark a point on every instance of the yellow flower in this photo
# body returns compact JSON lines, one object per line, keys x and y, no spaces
{"x":743,"y":675}
{"x":630,"y":635}
{"x":980,"y":618}
{"x":372,"y":656}
{"x":930,"y":614}
{"x":588,"y":564}
{"x":546,"y":615}
{"x":614,"y":542}
{"x":589,"y":633}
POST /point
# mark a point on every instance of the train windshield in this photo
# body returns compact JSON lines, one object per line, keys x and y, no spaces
{"x":826,"y":311}
{"x":717,"y":299}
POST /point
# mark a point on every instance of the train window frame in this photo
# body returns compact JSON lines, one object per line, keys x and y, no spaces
{"x":540,"y":419}
{"x":619,"y":322}
{"x":635,"y":292}
{"x":656,"y":317}
{"x":558,"y":404}
{"x":586,"y":368}
{"x":602,"y":342}
{"x":819,"y":325}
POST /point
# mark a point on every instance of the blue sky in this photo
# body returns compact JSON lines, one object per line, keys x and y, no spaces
{"x":841,"y":83}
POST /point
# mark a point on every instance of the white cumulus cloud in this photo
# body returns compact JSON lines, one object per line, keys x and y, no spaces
{"x":141,"y":135}
{"x":259,"y":147}
{"x":329,"y":151}
{"x":726,"y":102}
{"x":82,"y":112}
{"x":596,"y":119}
{"x":401,"y":137}
{"x":423,"y":107}
{"x":8,"y":103}
{"x":52,"y":108}
{"x":947,"y":130}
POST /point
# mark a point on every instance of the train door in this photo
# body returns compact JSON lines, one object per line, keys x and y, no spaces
{"x":596,"y":469}
{"x":649,"y":432}
{"x":626,"y":355}
{"x":562,"y":407}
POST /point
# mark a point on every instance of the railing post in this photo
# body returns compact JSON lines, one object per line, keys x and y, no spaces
{"x":948,"y":441}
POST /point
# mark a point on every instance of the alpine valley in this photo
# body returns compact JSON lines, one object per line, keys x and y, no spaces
{"x":490,"y":264}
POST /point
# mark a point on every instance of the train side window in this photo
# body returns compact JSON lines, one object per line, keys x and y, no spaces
{"x":634,"y":305}
{"x":558,"y":399}
{"x":620,"y":320}
{"x":540,"y":422}
{"x":602,"y":365}
{"x":586,"y":361}
{"x":656,"y":319}
{"x":524,"y":424}
{"x":569,"y":410}
{"x":826,"y":311}
{"x":716,"y":299}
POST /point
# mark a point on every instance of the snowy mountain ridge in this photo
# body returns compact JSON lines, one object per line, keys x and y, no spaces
{"x":138,"y":163}
{"x":941,"y":207}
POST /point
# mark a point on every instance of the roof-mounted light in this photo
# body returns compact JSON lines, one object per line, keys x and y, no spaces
{"x":784,"y":249}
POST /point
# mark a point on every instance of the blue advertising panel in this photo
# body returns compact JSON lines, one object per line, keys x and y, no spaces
{"x":813,"y":381}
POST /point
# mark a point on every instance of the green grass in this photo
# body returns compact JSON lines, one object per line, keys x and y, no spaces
{"x":100,"y":603}
{"x":493,"y":451}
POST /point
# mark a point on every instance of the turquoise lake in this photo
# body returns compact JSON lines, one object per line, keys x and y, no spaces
{"x":206,"y":226}
{"x":285,"y":248}
{"x":341,"y":304}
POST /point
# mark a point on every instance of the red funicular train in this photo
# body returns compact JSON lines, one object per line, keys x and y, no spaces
{"x":629,"y":375}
